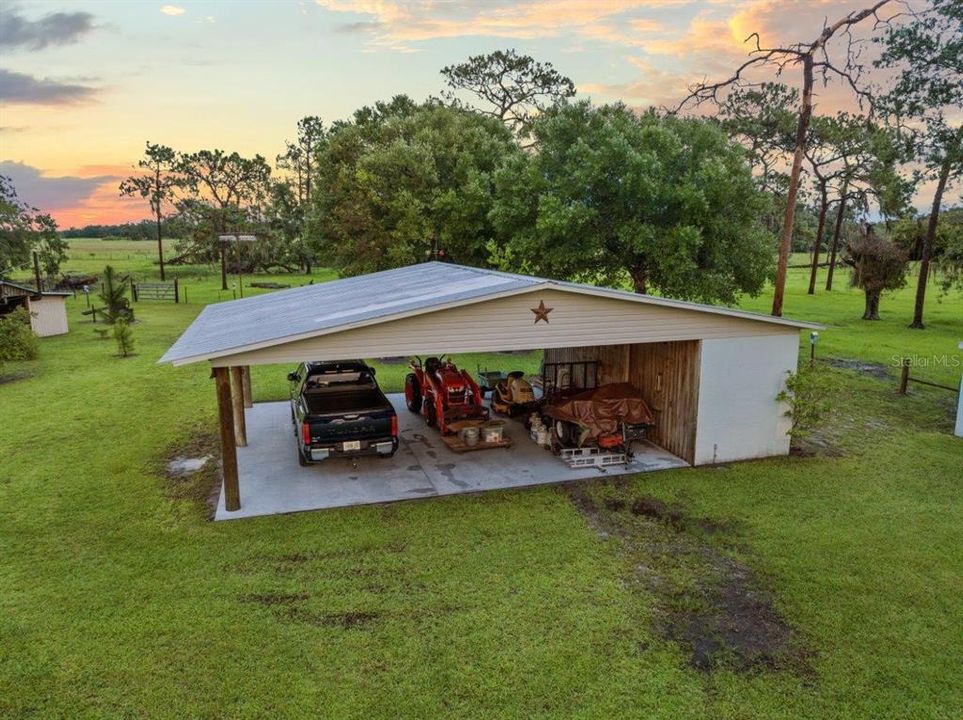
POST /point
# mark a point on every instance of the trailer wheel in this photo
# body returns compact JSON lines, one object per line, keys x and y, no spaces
{"x":412,"y":393}
{"x":566,"y":433}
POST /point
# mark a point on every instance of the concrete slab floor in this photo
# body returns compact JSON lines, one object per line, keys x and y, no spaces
{"x":272,"y":482}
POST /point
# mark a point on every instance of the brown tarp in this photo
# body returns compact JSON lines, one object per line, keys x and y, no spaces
{"x":601,"y":410}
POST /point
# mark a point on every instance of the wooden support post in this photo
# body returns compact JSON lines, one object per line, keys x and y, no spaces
{"x":177,"y":294}
{"x":237,"y":404}
{"x":225,"y":414}
{"x":904,"y":376}
{"x":248,"y":400}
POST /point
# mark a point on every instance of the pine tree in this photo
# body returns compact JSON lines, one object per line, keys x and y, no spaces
{"x":124,"y":337}
{"x":114,"y":296}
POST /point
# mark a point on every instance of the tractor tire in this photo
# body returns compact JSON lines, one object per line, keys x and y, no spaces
{"x":431,"y":416}
{"x":413,"y":393}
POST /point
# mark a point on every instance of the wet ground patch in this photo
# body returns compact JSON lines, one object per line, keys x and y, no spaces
{"x":876,"y":370}
{"x":293,"y":607}
{"x":13,"y":377}
{"x":192,"y":470}
{"x":713,"y":605}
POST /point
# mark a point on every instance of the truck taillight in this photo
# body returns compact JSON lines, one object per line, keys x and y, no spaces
{"x":306,"y":433}
{"x":394,"y":426}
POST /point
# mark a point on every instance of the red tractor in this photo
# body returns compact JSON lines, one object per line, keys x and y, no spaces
{"x":443,"y":393}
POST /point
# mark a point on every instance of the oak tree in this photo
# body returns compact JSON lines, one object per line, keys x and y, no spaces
{"x":663,"y":204}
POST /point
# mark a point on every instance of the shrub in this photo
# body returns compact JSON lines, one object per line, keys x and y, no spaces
{"x":807,"y":393}
{"x":17,"y":341}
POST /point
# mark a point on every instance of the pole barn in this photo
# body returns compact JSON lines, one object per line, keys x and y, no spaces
{"x":710,"y":374}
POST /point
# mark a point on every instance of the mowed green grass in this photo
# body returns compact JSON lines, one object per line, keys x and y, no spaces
{"x":118,"y":598}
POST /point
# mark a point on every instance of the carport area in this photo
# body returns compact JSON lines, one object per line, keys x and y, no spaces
{"x":711,"y":376}
{"x":271,"y":481}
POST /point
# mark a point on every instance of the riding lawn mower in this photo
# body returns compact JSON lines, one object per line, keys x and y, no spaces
{"x":513,"y":395}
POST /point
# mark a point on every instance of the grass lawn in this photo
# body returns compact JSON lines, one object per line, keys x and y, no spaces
{"x":118,"y":598}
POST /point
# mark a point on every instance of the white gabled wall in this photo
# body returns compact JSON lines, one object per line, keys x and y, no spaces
{"x":507,"y":323}
{"x":739,"y":416}
{"x":48,"y":315}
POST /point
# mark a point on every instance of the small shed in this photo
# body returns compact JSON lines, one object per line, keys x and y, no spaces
{"x":711,"y":374}
{"x":48,"y":309}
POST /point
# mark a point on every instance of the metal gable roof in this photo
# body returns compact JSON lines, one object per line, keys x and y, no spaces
{"x":279,"y":317}
{"x":30,"y":290}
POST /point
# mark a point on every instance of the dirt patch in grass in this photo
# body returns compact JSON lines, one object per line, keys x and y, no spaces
{"x":270,"y":599}
{"x":346,"y":620}
{"x":290,"y":606}
{"x":876,"y":370}
{"x":192,"y":471}
{"x":715,"y":607}
{"x":14,"y":377}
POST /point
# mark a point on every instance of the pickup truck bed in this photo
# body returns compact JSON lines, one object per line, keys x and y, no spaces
{"x":325,"y":403}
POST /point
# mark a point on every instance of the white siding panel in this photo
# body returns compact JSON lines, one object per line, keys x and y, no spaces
{"x":739,"y":417}
{"x":508,"y":324}
{"x":48,"y":315}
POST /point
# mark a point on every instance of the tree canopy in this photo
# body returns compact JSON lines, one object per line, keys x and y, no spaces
{"x":24,"y":229}
{"x":402,"y":179}
{"x":927,"y":93}
{"x":666,"y":203}
{"x":511,"y":87}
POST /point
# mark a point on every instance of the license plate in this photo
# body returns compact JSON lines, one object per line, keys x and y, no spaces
{"x":351,"y":445}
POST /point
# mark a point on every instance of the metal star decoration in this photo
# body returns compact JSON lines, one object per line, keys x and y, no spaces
{"x":541,"y":312}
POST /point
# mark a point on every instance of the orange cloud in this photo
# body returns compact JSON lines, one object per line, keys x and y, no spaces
{"x":103,"y":207}
{"x":395,"y":23}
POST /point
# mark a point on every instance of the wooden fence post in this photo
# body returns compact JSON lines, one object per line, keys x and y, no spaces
{"x":177,"y":295}
{"x":904,"y":376}
{"x":225,"y":413}
{"x":237,"y":404}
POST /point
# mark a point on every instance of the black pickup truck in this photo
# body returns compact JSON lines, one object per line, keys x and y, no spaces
{"x":338,"y":410}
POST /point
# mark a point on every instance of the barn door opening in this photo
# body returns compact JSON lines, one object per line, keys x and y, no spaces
{"x":668,"y":375}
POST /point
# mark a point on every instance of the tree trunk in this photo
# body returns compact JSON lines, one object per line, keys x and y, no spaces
{"x":785,"y":237}
{"x":160,"y":244}
{"x":639,"y":281}
{"x":931,"y":230}
{"x":837,"y":231}
{"x":823,"y":207}
{"x":872,"y":305}
{"x":160,"y":247}
{"x":223,"y":266}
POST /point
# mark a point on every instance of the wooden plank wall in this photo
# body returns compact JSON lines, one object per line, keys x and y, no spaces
{"x":668,"y":375}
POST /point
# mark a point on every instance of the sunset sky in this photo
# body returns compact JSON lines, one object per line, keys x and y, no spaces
{"x":84,"y":84}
